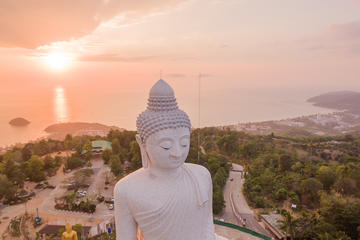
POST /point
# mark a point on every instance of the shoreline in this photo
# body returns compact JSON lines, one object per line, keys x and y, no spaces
{"x":105,"y":128}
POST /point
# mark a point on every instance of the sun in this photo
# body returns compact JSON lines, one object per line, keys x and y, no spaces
{"x":58,"y":60}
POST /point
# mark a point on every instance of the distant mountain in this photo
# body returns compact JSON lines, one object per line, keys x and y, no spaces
{"x":60,"y":130}
{"x":341,"y":100}
{"x":19,"y":122}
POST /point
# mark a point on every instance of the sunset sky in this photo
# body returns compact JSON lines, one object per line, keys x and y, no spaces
{"x":242,"y":41}
{"x":125,"y":44}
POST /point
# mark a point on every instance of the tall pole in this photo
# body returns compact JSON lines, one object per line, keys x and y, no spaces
{"x":199,"y":89}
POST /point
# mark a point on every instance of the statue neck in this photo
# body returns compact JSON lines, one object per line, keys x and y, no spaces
{"x":165,"y":172}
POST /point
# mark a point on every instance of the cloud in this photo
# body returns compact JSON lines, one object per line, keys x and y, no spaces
{"x":349,"y":30}
{"x":340,"y":38}
{"x":175,"y":75}
{"x":113,"y":58}
{"x":32,"y":23}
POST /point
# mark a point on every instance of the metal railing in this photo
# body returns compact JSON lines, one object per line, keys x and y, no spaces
{"x":242,"y":229}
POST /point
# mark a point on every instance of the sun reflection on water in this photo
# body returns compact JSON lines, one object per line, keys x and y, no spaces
{"x":60,"y":105}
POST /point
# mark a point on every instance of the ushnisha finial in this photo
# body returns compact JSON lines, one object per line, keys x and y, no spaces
{"x":162,"y":112}
{"x":161,"y":88}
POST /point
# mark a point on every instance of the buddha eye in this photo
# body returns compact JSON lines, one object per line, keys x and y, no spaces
{"x":184,"y":142}
{"x":166,"y":145}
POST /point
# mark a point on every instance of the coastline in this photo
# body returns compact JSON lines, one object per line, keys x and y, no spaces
{"x":58,"y":131}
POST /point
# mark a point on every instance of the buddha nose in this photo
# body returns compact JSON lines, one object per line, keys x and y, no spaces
{"x":175,"y":151}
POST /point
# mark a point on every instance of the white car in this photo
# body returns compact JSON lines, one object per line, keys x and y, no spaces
{"x":111,"y":207}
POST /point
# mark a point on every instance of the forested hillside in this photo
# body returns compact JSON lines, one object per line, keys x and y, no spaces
{"x":318,"y":175}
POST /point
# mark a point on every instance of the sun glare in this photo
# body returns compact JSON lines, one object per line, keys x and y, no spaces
{"x":58,"y":61}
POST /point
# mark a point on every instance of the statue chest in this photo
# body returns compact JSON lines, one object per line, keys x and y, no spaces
{"x":160,"y":203}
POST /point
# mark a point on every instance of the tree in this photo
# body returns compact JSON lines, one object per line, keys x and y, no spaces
{"x":68,"y":142}
{"x":309,"y":190}
{"x":49,"y":162}
{"x":78,"y":228}
{"x":36,"y":165}
{"x":220,"y":177}
{"x":88,"y":149}
{"x":326,"y":176}
{"x":82,"y":176}
{"x":267,"y":180}
{"x":213,"y":165}
{"x":73,"y":161}
{"x":106,"y":155}
{"x":41,"y":148}
{"x":289,"y":224}
{"x":58,"y":160}
{"x":115,"y":165}
{"x":8,"y":167}
{"x":342,"y":213}
{"x":136,"y":161}
{"x":285,"y":162}
{"x":281,"y":194}
{"x":115,"y":145}
{"x":345,"y":185}
{"x":7,"y":188}
{"x":228,"y":144}
{"x":218,"y":200}
{"x":27,"y":151}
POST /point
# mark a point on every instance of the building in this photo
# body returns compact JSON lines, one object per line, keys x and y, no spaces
{"x":99,"y":146}
{"x":272,"y":224}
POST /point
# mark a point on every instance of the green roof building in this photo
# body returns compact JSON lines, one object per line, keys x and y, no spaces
{"x":100,"y":145}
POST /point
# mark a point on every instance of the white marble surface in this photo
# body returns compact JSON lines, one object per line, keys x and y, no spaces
{"x":167,"y":199}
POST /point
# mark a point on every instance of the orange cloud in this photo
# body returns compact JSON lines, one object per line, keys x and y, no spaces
{"x":113,"y":58}
{"x":32,"y":23}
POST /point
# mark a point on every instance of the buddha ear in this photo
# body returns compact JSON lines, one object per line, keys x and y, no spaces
{"x":144,"y":156}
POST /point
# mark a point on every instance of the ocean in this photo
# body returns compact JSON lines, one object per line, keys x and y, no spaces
{"x":120,"y":106}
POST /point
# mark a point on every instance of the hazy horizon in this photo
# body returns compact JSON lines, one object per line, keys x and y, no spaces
{"x":251,"y":54}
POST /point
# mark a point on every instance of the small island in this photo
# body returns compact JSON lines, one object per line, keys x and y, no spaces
{"x":19,"y":122}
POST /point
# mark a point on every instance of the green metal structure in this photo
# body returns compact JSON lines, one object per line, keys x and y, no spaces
{"x":37,"y":218}
{"x":242,"y":229}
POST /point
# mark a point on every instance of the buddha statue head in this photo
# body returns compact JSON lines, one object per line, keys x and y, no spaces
{"x":69,"y":234}
{"x":68,"y":228}
{"x":163,"y":130}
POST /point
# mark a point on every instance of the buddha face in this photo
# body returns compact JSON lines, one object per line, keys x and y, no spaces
{"x":68,"y":228}
{"x":168,"y":149}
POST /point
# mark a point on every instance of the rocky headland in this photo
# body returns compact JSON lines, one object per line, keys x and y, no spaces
{"x":341,"y":100}
{"x":60,"y":130}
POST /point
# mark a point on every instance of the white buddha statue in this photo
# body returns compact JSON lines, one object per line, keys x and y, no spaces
{"x":166,"y":199}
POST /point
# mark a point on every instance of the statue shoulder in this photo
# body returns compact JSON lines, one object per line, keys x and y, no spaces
{"x":199,"y":171}
{"x":128,"y":182}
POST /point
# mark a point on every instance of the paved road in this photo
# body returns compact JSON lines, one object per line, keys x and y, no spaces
{"x":234,"y":197}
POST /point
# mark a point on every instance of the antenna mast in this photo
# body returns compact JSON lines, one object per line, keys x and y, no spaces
{"x":199,"y":89}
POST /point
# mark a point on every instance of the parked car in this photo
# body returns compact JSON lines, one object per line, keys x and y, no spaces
{"x":39,"y":186}
{"x":111,"y":207}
